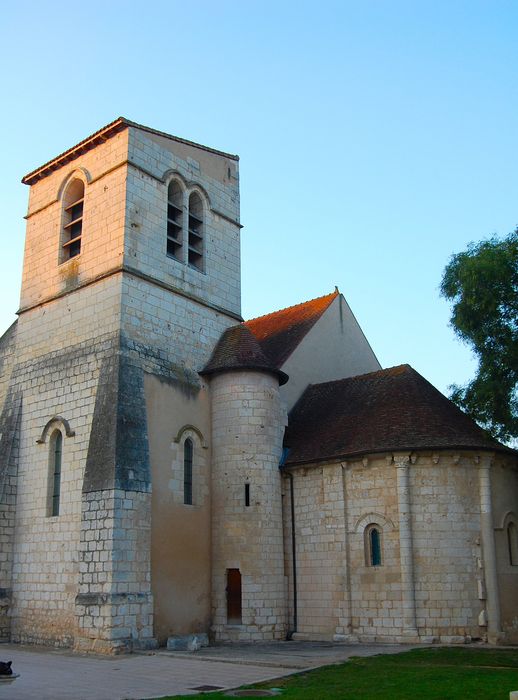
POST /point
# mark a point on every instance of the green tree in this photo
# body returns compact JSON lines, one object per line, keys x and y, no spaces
{"x":482,"y":283}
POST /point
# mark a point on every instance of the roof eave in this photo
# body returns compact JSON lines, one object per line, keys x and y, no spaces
{"x":102,"y":135}
{"x":282,"y":376}
{"x":72,"y":153}
{"x":408,"y":448}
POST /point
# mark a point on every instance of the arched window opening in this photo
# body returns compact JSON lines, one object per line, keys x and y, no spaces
{"x":73,"y":220}
{"x":234,"y":598}
{"x":187,"y":471}
{"x":195,"y":254}
{"x":174,"y":220}
{"x":512,"y":543}
{"x":56,"y":456}
{"x":373,"y":546}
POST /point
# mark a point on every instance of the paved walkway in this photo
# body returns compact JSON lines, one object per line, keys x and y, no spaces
{"x":49,"y":674}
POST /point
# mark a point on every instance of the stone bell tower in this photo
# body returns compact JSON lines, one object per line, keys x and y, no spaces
{"x":131,"y":274}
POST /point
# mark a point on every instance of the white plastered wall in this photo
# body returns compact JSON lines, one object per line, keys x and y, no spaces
{"x":334,"y":348}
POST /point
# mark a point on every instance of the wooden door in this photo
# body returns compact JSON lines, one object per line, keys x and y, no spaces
{"x":233,"y":597}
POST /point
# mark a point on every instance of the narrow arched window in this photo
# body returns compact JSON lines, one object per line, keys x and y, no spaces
{"x":56,"y":456}
{"x":195,"y":238}
{"x":512,"y":543}
{"x":174,"y":220}
{"x":73,"y":220}
{"x":373,"y":545}
{"x":187,"y":471}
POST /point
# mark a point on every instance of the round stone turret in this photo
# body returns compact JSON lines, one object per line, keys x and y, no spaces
{"x":248,"y":420}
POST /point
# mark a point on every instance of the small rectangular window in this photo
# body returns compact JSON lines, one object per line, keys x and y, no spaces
{"x":247,"y":494}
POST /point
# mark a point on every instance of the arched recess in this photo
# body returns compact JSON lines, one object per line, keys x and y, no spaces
{"x":373,"y":519}
{"x":55,"y":422}
{"x":189,"y":467}
{"x":76,"y":174}
{"x":190,"y":428}
{"x":507,"y":518}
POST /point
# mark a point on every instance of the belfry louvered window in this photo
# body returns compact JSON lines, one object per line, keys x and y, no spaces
{"x":175,"y":221}
{"x":195,"y":232}
{"x":73,"y":220}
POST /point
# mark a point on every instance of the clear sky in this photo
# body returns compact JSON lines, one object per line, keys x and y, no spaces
{"x":376,"y":138}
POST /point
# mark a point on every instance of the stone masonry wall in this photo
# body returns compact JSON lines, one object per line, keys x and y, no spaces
{"x":114,"y":606}
{"x":215,"y":178}
{"x":247,"y":424}
{"x":61,"y":349}
{"x":103,"y":171}
{"x":342,"y":596}
{"x":449,"y":580}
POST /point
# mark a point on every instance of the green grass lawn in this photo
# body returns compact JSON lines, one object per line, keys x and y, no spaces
{"x":422,"y":674}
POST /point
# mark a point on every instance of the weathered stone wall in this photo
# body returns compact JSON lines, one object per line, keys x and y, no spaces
{"x":247,"y":429}
{"x":216,"y":178}
{"x":59,"y":385}
{"x":504,"y":480}
{"x":446,"y":543}
{"x":104,"y":171}
{"x":431,"y":581}
{"x":114,"y":606}
{"x":91,"y":328}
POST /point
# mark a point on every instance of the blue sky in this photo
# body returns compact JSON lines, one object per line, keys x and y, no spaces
{"x":376,"y":138}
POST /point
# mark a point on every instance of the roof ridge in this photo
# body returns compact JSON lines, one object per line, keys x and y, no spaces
{"x":104,"y":132}
{"x":365,"y":375}
{"x":286,"y":308}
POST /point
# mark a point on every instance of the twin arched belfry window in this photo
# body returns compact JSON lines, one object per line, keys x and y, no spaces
{"x":185,"y":243}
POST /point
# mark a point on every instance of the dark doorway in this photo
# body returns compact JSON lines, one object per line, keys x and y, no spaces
{"x":233,"y":597}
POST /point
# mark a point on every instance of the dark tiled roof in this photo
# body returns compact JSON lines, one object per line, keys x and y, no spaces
{"x":238,"y":349}
{"x":279,"y":333}
{"x":392,"y":409}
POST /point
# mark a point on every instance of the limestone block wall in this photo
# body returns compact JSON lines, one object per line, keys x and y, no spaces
{"x":376,"y":591}
{"x":9,"y":449}
{"x":103,"y":171}
{"x":114,"y":606}
{"x":7,"y":359}
{"x":247,"y":428}
{"x":320,"y":551}
{"x":170,"y":326}
{"x":504,"y":481}
{"x":60,"y":350}
{"x":216,"y":179}
{"x":431,"y":582}
{"x":10,"y":408}
{"x":449,"y":578}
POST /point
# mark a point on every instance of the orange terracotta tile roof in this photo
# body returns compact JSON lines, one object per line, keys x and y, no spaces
{"x":391,"y":409}
{"x":280,"y":332}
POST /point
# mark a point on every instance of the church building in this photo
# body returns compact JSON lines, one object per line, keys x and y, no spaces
{"x":172,"y":474}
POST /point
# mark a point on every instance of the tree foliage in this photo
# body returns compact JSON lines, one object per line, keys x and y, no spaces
{"x":482,"y":283}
